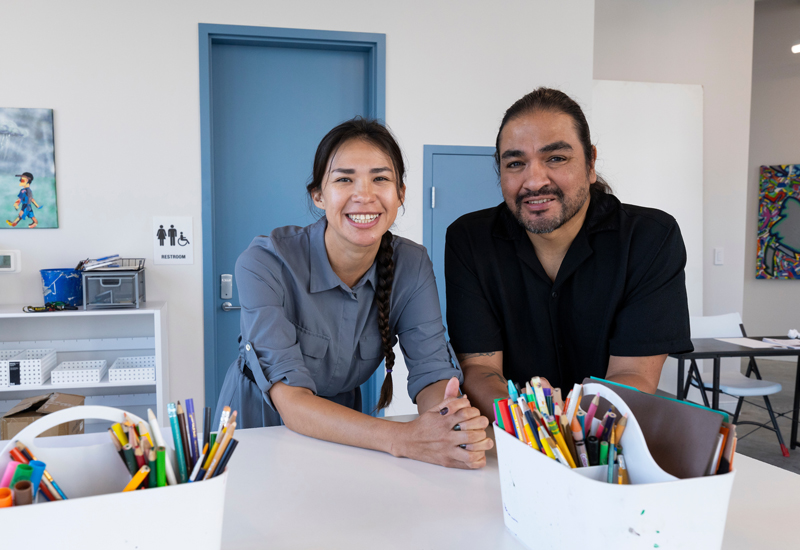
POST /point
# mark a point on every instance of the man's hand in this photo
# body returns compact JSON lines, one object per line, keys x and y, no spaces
{"x":16,"y":205}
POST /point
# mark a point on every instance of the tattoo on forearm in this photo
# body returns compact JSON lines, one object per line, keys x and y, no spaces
{"x":495,"y":374}
{"x":462,"y":356}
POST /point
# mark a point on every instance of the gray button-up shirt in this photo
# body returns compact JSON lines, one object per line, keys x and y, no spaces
{"x":308,"y":329}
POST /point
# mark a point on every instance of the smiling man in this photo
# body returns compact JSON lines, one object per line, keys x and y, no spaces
{"x":561,"y":280}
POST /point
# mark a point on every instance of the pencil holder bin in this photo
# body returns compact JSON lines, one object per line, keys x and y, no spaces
{"x":548,"y":505}
{"x":97,"y":515}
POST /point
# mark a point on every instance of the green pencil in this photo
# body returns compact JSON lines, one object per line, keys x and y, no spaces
{"x":151,"y":459}
{"x":176,"y":437}
{"x":130,"y":459}
{"x":161,"y":467}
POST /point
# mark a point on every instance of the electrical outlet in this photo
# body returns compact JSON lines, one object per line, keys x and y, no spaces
{"x":718,"y":256}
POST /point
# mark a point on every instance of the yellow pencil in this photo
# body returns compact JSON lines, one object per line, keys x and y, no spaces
{"x":137,"y":479}
{"x":143,"y":432}
{"x":218,"y":456}
{"x":543,"y":438}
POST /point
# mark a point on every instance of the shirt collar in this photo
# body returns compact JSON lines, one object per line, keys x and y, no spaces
{"x":322,"y":275}
{"x":599,"y":217}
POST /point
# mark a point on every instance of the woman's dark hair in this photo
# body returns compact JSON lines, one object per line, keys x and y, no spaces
{"x":556,"y":101}
{"x":377,"y":134}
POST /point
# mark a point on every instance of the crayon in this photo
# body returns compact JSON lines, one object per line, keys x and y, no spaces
{"x":137,"y":479}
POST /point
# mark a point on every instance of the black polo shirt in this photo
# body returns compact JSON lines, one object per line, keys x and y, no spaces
{"x":619,"y":291}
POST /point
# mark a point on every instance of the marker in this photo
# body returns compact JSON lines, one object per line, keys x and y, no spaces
{"x":593,"y":449}
{"x":117,"y":428}
{"x":508,"y":424}
{"x":192,"y":425}
{"x":498,"y":418}
{"x":603,"y":453}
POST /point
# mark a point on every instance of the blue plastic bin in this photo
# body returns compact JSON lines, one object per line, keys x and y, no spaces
{"x":62,"y":285}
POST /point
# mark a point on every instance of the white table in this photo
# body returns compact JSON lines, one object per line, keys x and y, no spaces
{"x":289,"y":491}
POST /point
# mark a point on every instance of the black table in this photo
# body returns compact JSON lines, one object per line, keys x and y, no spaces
{"x":711,"y":348}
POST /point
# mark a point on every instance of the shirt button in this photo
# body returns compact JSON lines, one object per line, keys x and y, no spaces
{"x":247,"y":347}
{"x":554,"y":294}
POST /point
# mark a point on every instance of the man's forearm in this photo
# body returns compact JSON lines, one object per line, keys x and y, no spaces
{"x":483,"y":385}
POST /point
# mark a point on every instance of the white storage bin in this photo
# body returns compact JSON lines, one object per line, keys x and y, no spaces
{"x":5,"y":357}
{"x":97,"y":515}
{"x":133,"y":370}
{"x":35,"y":366}
{"x":542,"y":499}
{"x":78,"y":372}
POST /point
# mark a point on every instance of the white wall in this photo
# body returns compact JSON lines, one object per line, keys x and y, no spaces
{"x":771,"y":306}
{"x":706,"y":42}
{"x":123,"y":80}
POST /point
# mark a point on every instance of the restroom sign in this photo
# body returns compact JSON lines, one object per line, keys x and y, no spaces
{"x":173,"y":241}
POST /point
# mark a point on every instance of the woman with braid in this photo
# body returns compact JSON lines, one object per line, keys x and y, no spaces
{"x":323,"y":305}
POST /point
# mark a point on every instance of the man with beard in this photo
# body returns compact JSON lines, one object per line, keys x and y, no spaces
{"x":561,"y":280}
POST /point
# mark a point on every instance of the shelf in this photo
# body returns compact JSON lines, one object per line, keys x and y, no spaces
{"x":15,"y":310}
{"x":47,"y":387}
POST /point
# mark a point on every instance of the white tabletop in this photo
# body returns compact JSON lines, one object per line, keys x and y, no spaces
{"x":289,"y":491}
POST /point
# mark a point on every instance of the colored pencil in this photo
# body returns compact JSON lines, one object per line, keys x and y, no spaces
{"x":206,"y":426}
{"x":137,"y":479}
{"x":187,"y":450}
{"x":152,"y":481}
{"x":226,"y":457}
{"x":225,"y":440}
{"x":176,"y":437}
{"x":191,"y":424}
{"x":159,"y":442}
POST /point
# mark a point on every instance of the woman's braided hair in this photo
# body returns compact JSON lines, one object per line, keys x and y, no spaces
{"x":377,"y":134}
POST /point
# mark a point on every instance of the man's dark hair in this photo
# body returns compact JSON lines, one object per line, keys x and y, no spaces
{"x":554,"y":101}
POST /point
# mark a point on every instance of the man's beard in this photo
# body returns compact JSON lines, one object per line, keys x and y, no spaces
{"x":540,"y":224}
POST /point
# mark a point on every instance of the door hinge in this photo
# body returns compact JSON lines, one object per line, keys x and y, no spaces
{"x":433,"y":197}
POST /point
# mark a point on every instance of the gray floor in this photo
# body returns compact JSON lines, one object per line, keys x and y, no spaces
{"x":761,"y":443}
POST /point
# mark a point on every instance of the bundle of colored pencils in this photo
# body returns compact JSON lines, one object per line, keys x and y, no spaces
{"x":567,"y":434}
{"x":144,"y":453}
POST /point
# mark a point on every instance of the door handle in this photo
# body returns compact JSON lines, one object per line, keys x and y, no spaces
{"x":227,"y":306}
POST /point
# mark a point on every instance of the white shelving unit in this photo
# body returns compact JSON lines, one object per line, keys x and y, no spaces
{"x":91,"y":335}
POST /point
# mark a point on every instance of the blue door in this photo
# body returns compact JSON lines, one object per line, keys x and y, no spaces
{"x":267,"y":98}
{"x":456,"y":180}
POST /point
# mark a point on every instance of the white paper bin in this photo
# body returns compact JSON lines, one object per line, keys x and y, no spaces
{"x":547,"y":505}
{"x":6,"y":356}
{"x":97,"y":515}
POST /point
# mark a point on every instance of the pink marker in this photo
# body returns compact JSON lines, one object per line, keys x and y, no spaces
{"x":9,"y":473}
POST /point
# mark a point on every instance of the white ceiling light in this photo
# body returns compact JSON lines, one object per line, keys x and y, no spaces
{"x":796,"y":48}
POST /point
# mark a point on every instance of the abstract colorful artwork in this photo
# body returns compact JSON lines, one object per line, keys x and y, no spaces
{"x":779,"y":223}
{"x":27,"y":169}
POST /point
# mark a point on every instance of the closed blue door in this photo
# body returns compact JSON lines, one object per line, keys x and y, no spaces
{"x":456,"y":180}
{"x":272,"y":94}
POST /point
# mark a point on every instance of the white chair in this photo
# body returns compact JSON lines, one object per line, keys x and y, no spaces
{"x":733,"y":383}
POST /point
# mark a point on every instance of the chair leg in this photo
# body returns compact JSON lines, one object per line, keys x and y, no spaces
{"x":784,"y":450}
{"x":738,"y":410}
{"x":694,"y":374}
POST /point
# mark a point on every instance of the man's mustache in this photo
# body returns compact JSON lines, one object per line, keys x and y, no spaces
{"x":547,"y":190}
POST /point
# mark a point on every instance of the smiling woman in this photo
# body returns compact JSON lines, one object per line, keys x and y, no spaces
{"x":323,"y":305}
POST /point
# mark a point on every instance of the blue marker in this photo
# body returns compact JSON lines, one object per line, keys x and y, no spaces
{"x":512,"y":392}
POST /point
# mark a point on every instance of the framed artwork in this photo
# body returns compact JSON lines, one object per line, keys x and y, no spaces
{"x":27,"y":169}
{"x":779,"y":223}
